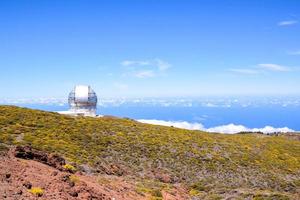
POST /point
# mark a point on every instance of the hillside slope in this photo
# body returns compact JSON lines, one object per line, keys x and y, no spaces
{"x":210,"y":166}
{"x":20,"y":177}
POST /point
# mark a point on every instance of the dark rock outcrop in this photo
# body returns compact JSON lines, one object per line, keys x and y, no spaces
{"x":26,"y":152}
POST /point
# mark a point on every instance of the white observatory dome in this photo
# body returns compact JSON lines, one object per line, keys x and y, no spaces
{"x":83,"y":101}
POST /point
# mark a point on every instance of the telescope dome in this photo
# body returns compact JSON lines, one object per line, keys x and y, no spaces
{"x":83,"y":101}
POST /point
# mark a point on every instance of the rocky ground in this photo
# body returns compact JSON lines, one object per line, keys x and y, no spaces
{"x":22,"y":170}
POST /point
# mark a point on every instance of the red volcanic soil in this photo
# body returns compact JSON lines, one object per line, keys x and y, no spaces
{"x":18,"y":176}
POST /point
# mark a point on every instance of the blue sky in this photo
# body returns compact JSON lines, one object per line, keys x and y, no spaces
{"x":153,"y":48}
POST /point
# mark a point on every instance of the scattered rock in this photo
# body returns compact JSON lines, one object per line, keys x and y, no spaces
{"x":65,"y":177}
{"x":26,"y":152}
{"x":112,"y":170}
{"x":162,"y":176}
{"x":71,"y":183}
{"x":73,"y":193}
{"x":165,"y":178}
{"x":7,"y":176}
{"x":19,"y":192}
{"x":54,"y":173}
{"x":28,"y":185}
{"x":56,"y":161}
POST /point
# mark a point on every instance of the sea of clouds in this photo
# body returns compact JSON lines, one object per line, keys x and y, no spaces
{"x":228,"y":129}
{"x":170,"y":102}
{"x":228,"y":103}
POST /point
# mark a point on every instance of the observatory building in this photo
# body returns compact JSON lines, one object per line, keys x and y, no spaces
{"x":82,"y":101}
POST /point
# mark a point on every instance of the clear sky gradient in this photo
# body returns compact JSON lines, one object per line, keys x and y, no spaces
{"x":150,"y":48}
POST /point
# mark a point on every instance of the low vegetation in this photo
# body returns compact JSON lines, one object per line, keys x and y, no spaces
{"x":208,"y":164}
{"x":36,"y":191}
{"x":69,"y":167}
{"x":74,"y":179}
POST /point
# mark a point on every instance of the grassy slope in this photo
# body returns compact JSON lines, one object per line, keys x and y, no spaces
{"x":207,"y":162}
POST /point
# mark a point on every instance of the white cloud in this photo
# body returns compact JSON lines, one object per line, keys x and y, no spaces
{"x":134,"y":62}
{"x":229,"y":128}
{"x":274,"y":67}
{"x":146,"y":68}
{"x":144,"y":74}
{"x":270,"y":129}
{"x":210,"y":105}
{"x":162,"y":65}
{"x":245,"y":71}
{"x":157,"y":63}
{"x":232,"y":128}
{"x":260,"y":68}
{"x":287,"y":23}
{"x":178,"y":124}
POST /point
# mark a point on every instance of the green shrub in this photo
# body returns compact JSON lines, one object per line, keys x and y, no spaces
{"x":156,"y":193}
{"x":199,"y":186}
{"x":194,"y":192}
{"x":3,"y":148}
{"x":36,"y":191}
{"x":74,"y":179}
{"x":214,"y":197}
{"x":270,"y":197}
{"x":69,"y":167}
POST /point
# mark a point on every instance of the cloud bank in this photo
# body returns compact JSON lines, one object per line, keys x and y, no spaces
{"x":178,"y":124}
{"x":228,"y":129}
